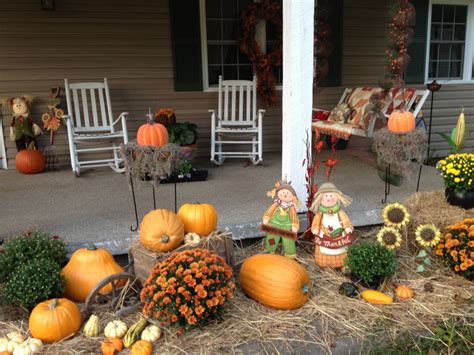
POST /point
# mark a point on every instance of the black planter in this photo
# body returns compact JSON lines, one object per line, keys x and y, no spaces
{"x":341,"y":144}
{"x":372,"y":285}
{"x":461,"y":199}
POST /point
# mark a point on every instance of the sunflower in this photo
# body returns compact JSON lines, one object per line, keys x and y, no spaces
{"x":389,"y":237}
{"x":427,"y":235}
{"x":395,"y":215}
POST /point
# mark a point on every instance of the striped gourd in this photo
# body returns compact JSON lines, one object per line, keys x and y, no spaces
{"x":459,"y":131}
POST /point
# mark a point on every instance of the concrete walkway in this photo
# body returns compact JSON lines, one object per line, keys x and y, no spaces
{"x":97,"y":207}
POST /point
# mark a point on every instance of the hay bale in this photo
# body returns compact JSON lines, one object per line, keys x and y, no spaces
{"x":432,"y":207}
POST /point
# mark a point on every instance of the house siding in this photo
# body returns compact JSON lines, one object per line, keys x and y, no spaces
{"x":129,"y":43}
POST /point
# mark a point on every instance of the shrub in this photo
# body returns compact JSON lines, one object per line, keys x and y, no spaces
{"x":33,"y":282}
{"x":29,"y":246}
{"x":370,"y":261}
{"x":188,"y":288}
{"x":457,"y":248}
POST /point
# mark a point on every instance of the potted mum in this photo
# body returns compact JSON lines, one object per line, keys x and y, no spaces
{"x":457,"y":171}
{"x":165,"y":116}
{"x":185,"y":135}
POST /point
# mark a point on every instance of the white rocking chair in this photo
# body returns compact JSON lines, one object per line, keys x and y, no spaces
{"x":90,"y":122}
{"x":243,"y":121}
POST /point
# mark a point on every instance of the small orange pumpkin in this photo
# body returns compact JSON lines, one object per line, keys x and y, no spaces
{"x":198,"y":218}
{"x":275,"y":281}
{"x":161,"y":230}
{"x":401,"y":122}
{"x":30,"y":161}
{"x":110,"y":346}
{"x":54,"y":320}
{"x":141,"y":347}
{"x":404,"y":292}
{"x":86,"y":268}
{"x":152,"y":134}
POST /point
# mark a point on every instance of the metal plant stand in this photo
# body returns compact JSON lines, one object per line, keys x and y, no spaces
{"x":432,"y":87}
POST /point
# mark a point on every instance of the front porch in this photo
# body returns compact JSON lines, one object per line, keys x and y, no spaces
{"x":98,"y":207}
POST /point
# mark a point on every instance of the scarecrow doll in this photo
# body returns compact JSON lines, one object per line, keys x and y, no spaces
{"x":280,"y":220}
{"x":331,"y":226}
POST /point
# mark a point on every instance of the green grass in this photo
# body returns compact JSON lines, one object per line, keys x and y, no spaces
{"x":453,"y":337}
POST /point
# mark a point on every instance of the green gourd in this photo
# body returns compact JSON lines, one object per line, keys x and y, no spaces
{"x":134,"y":332}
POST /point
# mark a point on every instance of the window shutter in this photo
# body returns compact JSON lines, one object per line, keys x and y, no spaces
{"x":415,"y":72}
{"x":335,"y":22}
{"x":186,"y":44}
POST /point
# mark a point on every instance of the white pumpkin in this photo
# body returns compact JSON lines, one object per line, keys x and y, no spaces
{"x":191,"y":238}
{"x":29,"y":346}
{"x":11,"y":341}
{"x":151,"y":333}
{"x":115,"y":329}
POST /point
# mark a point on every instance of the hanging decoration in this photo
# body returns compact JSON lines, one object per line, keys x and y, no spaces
{"x":403,"y":18}
{"x":323,"y":44}
{"x":264,"y":63}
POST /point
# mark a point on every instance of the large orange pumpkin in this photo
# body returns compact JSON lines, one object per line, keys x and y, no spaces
{"x":198,"y":218}
{"x":142,"y":347}
{"x":54,"y":320}
{"x":152,"y":134}
{"x":275,"y":281}
{"x":30,"y":161}
{"x":86,"y":268}
{"x":401,"y":122}
{"x":161,"y":230}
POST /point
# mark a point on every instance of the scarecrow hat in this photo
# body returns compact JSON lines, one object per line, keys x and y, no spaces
{"x":330,"y":187}
{"x":283,"y":185}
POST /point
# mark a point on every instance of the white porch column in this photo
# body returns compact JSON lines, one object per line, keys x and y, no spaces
{"x":298,"y":33}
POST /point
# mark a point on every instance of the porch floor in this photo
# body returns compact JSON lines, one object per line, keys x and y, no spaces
{"x":97,"y":207}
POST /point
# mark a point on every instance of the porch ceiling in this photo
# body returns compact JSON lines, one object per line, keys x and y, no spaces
{"x":97,"y":207}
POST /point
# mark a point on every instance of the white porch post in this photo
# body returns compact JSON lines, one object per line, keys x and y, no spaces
{"x":298,"y":33}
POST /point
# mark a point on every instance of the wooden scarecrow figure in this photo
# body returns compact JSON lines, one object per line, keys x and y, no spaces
{"x":332,"y":228}
{"x":280,"y":220}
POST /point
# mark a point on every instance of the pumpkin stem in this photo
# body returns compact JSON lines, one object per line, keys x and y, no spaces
{"x":54,"y":303}
{"x":165,"y":238}
{"x":305,"y":288}
{"x":91,"y":246}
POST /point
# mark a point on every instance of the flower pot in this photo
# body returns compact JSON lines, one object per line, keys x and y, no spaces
{"x":461,"y":199}
{"x":374,"y":285}
{"x":188,"y":151}
{"x":393,"y":179}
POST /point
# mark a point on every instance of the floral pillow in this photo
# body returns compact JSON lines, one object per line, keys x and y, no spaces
{"x":358,"y":99}
{"x":342,"y":113}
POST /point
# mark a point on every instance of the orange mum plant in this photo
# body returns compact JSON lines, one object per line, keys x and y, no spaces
{"x":188,"y":288}
{"x":457,"y":247}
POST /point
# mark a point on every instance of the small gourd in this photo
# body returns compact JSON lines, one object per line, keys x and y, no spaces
{"x":141,"y":347}
{"x":192,"y":238}
{"x":348,"y":289}
{"x":133,"y":333}
{"x":151,"y":333}
{"x":29,"y":346}
{"x":110,"y":346}
{"x":115,"y":329}
{"x":92,"y":327}
{"x":404,"y":292}
{"x":376,"y":297}
{"x":11,"y":341}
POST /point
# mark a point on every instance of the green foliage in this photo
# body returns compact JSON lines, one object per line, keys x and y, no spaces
{"x":370,"y":261}
{"x":185,"y":167}
{"x":182,"y":133}
{"x":33,"y":282}
{"x":453,"y":337}
{"x":30,"y":246}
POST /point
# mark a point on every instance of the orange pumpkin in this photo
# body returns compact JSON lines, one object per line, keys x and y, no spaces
{"x":30,"y":161}
{"x":198,"y":218}
{"x":5,"y":353}
{"x":161,"y":230}
{"x":54,"y":320}
{"x":141,"y":347}
{"x":110,"y":346}
{"x":152,"y":134}
{"x":86,"y":268}
{"x":404,"y":292}
{"x":401,"y":122}
{"x":275,"y":281}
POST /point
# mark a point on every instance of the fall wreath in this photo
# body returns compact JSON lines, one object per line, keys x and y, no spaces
{"x":264,"y":63}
